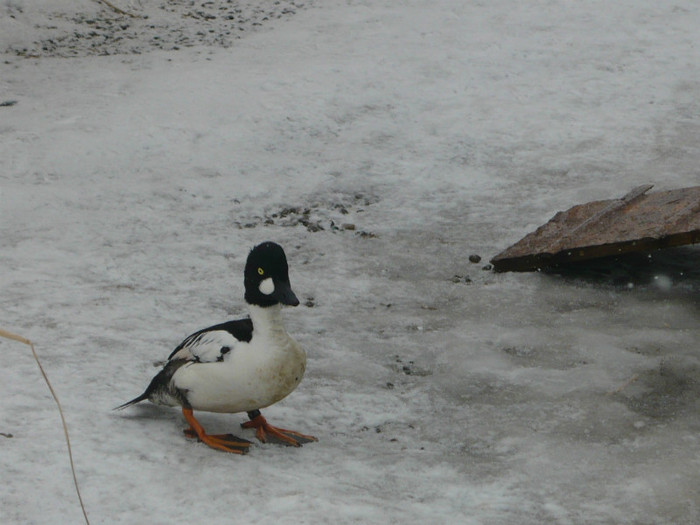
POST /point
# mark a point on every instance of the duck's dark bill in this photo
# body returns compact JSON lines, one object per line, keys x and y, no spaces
{"x":285,"y":295}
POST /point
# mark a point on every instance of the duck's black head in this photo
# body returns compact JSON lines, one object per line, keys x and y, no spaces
{"x":267,"y":277}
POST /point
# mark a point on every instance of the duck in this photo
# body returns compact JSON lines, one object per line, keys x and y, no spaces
{"x":242,"y":365}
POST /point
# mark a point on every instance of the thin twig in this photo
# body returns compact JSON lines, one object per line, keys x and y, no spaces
{"x":26,"y":341}
{"x":116,"y":9}
{"x":624,"y":385}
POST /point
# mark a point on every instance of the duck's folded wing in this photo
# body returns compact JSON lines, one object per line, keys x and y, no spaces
{"x":214,"y":343}
{"x":206,"y":347}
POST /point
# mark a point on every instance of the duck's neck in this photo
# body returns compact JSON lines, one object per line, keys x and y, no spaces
{"x":266,"y":320}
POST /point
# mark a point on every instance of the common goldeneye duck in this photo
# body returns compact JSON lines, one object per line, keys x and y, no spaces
{"x":238,"y":366}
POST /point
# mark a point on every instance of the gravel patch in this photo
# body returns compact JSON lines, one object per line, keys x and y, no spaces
{"x":139,"y":27}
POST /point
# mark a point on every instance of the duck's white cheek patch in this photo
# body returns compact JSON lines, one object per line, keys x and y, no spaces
{"x":266,"y":287}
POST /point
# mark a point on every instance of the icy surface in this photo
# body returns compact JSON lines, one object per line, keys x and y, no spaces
{"x":381,"y":143}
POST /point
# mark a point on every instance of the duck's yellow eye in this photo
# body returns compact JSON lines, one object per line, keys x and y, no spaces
{"x":261,"y":271}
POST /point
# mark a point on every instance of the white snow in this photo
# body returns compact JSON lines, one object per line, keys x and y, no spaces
{"x":133,"y":185}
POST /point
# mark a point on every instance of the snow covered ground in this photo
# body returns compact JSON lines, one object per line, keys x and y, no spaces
{"x":135,"y":177}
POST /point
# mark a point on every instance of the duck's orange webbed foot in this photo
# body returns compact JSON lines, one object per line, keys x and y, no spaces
{"x":223,"y":442}
{"x":269,"y":434}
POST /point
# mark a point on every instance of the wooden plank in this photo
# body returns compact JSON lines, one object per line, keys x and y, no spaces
{"x":639,"y":221}
{"x":613,"y":207}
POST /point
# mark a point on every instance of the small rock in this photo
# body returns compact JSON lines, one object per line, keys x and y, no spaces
{"x":474,"y":258}
{"x":289,"y":211}
{"x":348,"y":226}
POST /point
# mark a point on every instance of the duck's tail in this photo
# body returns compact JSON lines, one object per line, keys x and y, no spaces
{"x":142,"y":397}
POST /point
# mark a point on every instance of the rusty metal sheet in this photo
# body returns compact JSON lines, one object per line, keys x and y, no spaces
{"x":639,"y":221}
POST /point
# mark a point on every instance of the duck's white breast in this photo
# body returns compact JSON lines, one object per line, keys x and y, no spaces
{"x":254,"y":375}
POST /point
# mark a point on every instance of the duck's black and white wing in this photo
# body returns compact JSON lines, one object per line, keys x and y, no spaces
{"x":214,"y":343}
{"x":210,"y":345}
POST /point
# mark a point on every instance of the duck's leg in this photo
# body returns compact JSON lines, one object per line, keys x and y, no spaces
{"x":224,"y":442}
{"x":266,"y":432}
